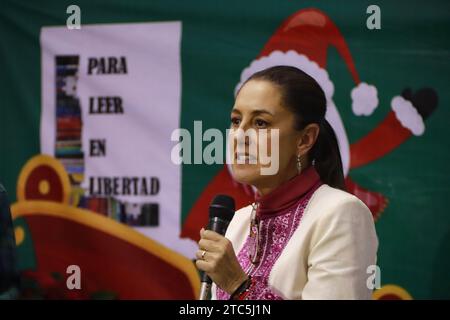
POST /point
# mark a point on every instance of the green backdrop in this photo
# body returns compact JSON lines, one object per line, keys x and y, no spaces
{"x":220,"y":39}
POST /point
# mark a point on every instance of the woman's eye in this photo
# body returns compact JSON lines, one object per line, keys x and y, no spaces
{"x":235,"y":121}
{"x":261,"y":123}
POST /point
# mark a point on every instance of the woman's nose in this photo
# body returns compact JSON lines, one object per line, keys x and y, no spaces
{"x":244,"y":125}
{"x":239,"y":136}
{"x":242,"y":135}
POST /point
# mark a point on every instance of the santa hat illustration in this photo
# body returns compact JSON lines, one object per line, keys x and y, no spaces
{"x":302,"y":41}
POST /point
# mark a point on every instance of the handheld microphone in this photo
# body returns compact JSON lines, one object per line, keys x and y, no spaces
{"x":221,"y":211}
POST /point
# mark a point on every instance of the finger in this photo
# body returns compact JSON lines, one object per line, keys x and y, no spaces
{"x":203,"y":265}
{"x":208,"y":245}
{"x":201,"y":232}
{"x":199,"y":254}
{"x":211,"y":235}
{"x":208,"y":256}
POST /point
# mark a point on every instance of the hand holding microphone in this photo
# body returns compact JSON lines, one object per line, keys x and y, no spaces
{"x":216,"y":257}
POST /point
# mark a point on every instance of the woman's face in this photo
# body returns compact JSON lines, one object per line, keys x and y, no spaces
{"x":259,"y":106}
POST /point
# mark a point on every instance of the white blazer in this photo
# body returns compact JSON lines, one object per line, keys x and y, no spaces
{"x":328,"y":255}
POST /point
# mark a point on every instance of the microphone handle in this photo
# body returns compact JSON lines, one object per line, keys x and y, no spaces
{"x":220,"y":226}
{"x":204,"y":290}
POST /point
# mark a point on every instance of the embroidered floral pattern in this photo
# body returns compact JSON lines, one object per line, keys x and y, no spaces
{"x":274,"y":234}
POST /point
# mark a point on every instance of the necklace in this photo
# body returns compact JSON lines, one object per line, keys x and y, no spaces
{"x":254,"y":235}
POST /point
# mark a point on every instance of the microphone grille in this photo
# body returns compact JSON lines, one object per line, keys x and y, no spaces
{"x":223,"y":207}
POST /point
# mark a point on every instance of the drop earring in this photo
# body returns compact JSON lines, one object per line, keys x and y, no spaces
{"x":299,"y":165}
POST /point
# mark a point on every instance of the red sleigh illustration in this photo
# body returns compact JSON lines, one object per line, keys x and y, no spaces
{"x":116,"y":262}
{"x":303,"y":40}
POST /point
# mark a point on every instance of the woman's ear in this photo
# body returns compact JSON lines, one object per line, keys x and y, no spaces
{"x":307,"y":139}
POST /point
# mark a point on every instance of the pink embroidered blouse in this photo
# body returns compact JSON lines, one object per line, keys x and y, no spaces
{"x":277,"y":216}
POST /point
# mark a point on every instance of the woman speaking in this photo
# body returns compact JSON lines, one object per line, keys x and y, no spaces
{"x":304,"y":237}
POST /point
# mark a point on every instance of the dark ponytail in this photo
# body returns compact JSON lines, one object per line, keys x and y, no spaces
{"x":327,"y":157}
{"x":306,"y":99}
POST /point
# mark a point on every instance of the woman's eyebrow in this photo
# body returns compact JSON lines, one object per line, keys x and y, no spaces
{"x":260,"y":111}
{"x":254,"y":112}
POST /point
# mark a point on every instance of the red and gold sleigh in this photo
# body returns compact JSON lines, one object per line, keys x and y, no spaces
{"x":115,"y":261}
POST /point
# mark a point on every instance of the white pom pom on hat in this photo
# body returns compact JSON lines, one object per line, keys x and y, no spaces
{"x":364,"y":99}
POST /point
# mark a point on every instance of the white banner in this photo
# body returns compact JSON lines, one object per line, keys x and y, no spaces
{"x":111,"y":97}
